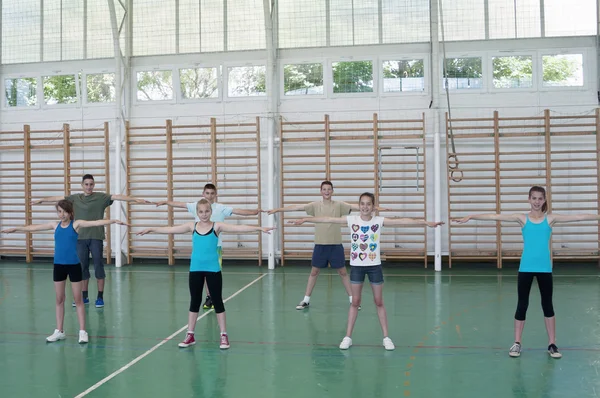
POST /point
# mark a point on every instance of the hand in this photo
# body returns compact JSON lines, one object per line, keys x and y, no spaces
{"x":8,"y":231}
{"x":119,"y":222}
{"x":299,"y":221}
{"x":161,"y":203}
{"x":269,"y":212}
{"x":145,"y":231}
{"x":433,"y":224}
{"x":461,"y":220}
{"x":142,"y":201}
{"x":267,"y":230}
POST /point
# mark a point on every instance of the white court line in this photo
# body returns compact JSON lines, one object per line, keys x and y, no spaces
{"x":151,"y":350}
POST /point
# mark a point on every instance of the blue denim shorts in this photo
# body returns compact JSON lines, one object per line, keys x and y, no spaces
{"x":375,"y":272}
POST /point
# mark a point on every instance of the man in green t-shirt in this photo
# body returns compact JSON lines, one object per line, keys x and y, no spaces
{"x":90,"y":206}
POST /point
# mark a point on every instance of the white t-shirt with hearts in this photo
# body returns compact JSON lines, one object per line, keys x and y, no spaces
{"x":364,"y":241}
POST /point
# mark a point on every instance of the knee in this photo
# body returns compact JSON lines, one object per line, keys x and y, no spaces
{"x":355,"y":302}
{"x":548,"y":308}
{"x":315,"y":271}
{"x":60,"y":299}
{"x":379,"y":302}
{"x":521,"y":312}
{"x":342,"y":272}
{"x":219,"y":307}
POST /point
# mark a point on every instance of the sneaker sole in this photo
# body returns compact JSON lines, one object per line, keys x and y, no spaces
{"x":100,"y":306}
{"x":54,"y":341}
{"x":186,"y":345}
{"x":514,"y":354}
{"x":224,"y":348}
{"x":82,"y":342}
{"x":555,"y":356}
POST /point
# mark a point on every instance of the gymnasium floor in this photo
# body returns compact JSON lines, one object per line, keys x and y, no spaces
{"x":452,"y":333}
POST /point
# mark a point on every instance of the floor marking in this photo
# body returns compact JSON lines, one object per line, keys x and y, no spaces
{"x":164,"y":341}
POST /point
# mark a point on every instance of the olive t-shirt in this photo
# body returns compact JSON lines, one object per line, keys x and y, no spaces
{"x":90,"y":208}
{"x":328,"y":234}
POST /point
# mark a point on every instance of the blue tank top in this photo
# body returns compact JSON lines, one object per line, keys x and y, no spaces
{"x":204,"y":251}
{"x":536,"y":247}
{"x":65,"y":245}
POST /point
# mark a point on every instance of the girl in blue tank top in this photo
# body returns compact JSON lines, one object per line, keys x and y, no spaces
{"x":205,"y":265}
{"x":66,"y":262}
{"x":536,"y":261}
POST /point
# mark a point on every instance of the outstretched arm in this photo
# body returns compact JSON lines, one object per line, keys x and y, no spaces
{"x":356,"y":207}
{"x":558,"y":218}
{"x":171,"y":203}
{"x":177,"y":229}
{"x":97,"y":223}
{"x":126,"y":198}
{"x":223,"y":227}
{"x":32,"y":228}
{"x":410,"y":221}
{"x":520,"y":218}
{"x":288,"y":208}
{"x":319,"y":220}
{"x":49,"y":199}
{"x":246,"y":212}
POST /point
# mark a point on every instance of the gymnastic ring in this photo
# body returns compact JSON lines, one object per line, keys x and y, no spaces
{"x":456,"y":179}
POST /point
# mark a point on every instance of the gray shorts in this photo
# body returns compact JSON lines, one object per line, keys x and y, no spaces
{"x":84,"y":248}
{"x":375,"y":272}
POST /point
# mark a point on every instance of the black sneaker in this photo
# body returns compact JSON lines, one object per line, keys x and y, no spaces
{"x":302,"y":305}
{"x":553,"y":351}
{"x":208,"y":304}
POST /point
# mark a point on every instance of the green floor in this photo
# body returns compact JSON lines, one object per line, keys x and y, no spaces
{"x":452,"y":332}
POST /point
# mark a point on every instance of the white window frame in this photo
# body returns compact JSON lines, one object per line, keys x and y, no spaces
{"x":328,"y":74}
{"x":225,"y":74}
{"x":535,"y":70}
{"x":37,"y":77}
{"x":561,"y":51}
{"x":485,"y":78}
{"x":406,"y":57}
{"x":155,"y":68}
{"x":220,"y":73}
{"x":85,"y":74}
{"x":78,"y":86}
{"x":282,"y":63}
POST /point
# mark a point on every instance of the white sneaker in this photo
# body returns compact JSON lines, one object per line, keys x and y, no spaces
{"x":388,"y":344}
{"x":346,"y":343}
{"x":83,"y":337}
{"x":57,"y":335}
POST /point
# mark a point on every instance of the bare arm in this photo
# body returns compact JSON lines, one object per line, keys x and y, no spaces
{"x":97,"y":223}
{"x":320,"y":220}
{"x":126,"y":198}
{"x":246,"y":212}
{"x":32,"y":228}
{"x":177,"y":229}
{"x":288,"y":208}
{"x":520,"y":218}
{"x":172,"y":204}
{"x":224,"y":227}
{"x":558,"y":218}
{"x":356,"y":207}
{"x":410,"y":221}
{"x":49,"y":199}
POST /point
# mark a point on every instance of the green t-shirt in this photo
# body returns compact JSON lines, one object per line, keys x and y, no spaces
{"x":328,"y":234}
{"x":90,"y":208}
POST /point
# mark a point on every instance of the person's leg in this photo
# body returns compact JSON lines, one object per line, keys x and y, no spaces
{"x":376,"y":279}
{"x":78,"y":298}
{"x":195,"y":282}
{"x":59,"y":288}
{"x":353,"y":310}
{"x":214,"y":280}
{"x":524,"y":282}
{"x":337,"y":260}
{"x":208,"y":303}
{"x":546,"y":289}
{"x":319,"y":260}
{"x":83,"y":252}
{"x":96,"y":247}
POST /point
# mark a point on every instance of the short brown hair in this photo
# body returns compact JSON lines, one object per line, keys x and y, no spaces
{"x":209,"y":186}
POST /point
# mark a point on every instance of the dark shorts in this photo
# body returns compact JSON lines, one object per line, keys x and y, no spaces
{"x":328,"y":254}
{"x":375,"y":272}
{"x":84,"y":248}
{"x":73,"y":271}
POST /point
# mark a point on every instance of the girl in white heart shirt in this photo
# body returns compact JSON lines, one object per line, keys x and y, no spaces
{"x":365,"y":259}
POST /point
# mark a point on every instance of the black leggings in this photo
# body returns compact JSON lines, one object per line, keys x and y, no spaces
{"x":214,"y":283}
{"x":524,"y":283}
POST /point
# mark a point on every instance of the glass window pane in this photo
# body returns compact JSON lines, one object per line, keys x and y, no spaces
{"x":570,"y":18}
{"x":21,"y":24}
{"x":153,"y":27}
{"x":302,"y":23}
{"x":189,"y":26}
{"x":463,"y":20}
{"x":405,"y":21}
{"x":352,"y":77}
{"x":60,"y":89}
{"x":463,"y":73}
{"x":199,"y":83}
{"x":72,"y":29}
{"x":563,"y":70}
{"x":101,"y":87}
{"x":99,"y":31}
{"x":156,"y":85}
{"x":245,"y":25}
{"x":404,"y":75}
{"x":510,"y":19}
{"x":20,"y":92}
{"x":513,"y":72}
{"x":246,"y":81}
{"x":303,"y":79}
{"x":354,"y":22}
{"x":212,"y":26}
{"x":52,"y":50}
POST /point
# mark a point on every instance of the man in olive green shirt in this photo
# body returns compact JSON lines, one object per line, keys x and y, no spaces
{"x":90,"y":206}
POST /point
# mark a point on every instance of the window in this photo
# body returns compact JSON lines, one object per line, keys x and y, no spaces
{"x":513,"y":72}
{"x":101,"y":88}
{"x":570,"y":18}
{"x":212,"y":26}
{"x":352,"y":77}
{"x":245,"y":25}
{"x":463,"y":74}
{"x":302,"y":23}
{"x":354,"y":22}
{"x":405,"y":21}
{"x":303,"y":79}
{"x":404,"y":75}
{"x":21,"y":31}
{"x":562,"y":70}
{"x":20,"y":92}
{"x":463,"y":20}
{"x":156,"y":85}
{"x":246,"y":81}
{"x":60,"y":89}
{"x":199,"y":83}
{"x":153,"y":27}
{"x":510,"y":19}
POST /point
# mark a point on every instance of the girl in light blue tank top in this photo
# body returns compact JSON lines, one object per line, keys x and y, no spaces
{"x":205,"y":265}
{"x":536,"y":261}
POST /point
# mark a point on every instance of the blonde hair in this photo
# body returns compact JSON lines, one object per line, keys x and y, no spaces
{"x":203,"y":202}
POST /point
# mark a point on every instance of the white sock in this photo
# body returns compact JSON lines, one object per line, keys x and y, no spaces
{"x":306,"y":299}
{"x":224,"y":334}
{"x":190,"y":332}
{"x":350,"y":297}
